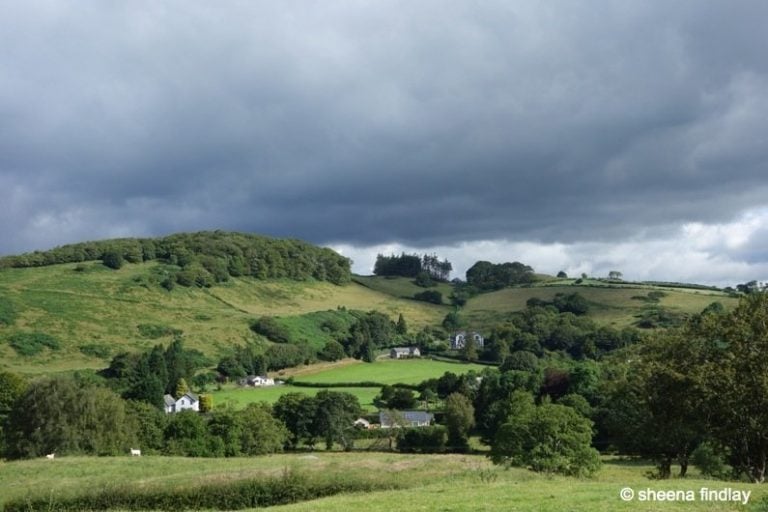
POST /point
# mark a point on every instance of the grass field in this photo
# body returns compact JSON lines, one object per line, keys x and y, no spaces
{"x":388,"y":371}
{"x":435,"y":482}
{"x":385,"y":371}
{"x":239,"y":397}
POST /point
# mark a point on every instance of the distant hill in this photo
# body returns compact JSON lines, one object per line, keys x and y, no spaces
{"x":68,"y":308}
{"x":615,"y":303}
{"x":203,"y":258}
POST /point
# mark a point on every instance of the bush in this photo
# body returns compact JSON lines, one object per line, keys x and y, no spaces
{"x":96,"y":350}
{"x":423,"y":440}
{"x":291,"y":487}
{"x":113,"y":259}
{"x":154,"y":331}
{"x":7,"y":312}
{"x":433,"y":296}
{"x":710,"y":460}
{"x":268,"y":327}
{"x":32,"y":343}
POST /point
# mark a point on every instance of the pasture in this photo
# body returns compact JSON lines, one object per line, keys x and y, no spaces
{"x":615,"y":305}
{"x":384,"y":371}
{"x":388,"y":371}
{"x":96,"y":312}
{"x":426,"y":482}
{"x":239,"y":397}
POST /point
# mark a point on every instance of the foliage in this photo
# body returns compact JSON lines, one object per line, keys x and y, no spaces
{"x":31,"y":343}
{"x":433,"y":296}
{"x":268,"y":327}
{"x":484,"y":275}
{"x":98,"y":350}
{"x":290,"y":487}
{"x":205,"y":258}
{"x":548,"y":438}
{"x":431,"y":439}
{"x":424,"y":268}
{"x":154,"y":331}
{"x":459,"y":420}
{"x":8,"y":313}
{"x":113,"y":258}
{"x":333,"y":351}
{"x":67,"y":417}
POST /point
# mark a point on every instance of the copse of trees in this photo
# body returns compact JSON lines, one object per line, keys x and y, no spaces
{"x":425,"y":267}
{"x":701,"y":383}
{"x":485,"y":275}
{"x":203,"y":258}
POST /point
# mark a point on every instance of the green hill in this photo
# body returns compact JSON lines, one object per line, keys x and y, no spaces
{"x":79,"y":313}
{"x":614,"y":303}
{"x":93,"y":312}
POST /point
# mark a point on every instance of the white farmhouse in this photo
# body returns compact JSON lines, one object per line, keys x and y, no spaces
{"x":187,"y":402}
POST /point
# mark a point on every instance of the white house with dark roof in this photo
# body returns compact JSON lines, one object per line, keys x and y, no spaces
{"x":187,"y":402}
{"x":397,"y":419}
{"x":459,"y":340}
{"x":404,"y":352}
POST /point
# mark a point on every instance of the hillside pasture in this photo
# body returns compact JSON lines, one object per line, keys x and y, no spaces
{"x":609,"y":304}
{"x":95,"y":312}
{"x":425,"y":482}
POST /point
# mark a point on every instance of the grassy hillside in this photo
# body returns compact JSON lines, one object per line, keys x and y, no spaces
{"x":95,"y":312}
{"x":402,"y":287}
{"x":428,"y":482}
{"x":617,"y":305}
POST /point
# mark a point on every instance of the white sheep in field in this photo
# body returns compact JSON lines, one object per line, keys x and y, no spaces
{"x":50,"y":456}
{"x":135,"y":452}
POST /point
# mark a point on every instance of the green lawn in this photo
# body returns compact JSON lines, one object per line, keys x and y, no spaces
{"x":401,"y":286}
{"x":435,"y":482}
{"x":240,"y":397}
{"x":389,"y":371}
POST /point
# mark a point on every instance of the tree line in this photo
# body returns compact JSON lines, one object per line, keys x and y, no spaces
{"x":203,"y":258}
{"x":424,"y":267}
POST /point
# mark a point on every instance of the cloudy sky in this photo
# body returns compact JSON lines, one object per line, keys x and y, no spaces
{"x":580,"y":136}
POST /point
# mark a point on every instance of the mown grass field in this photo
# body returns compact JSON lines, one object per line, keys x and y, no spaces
{"x":103,"y":307}
{"x":239,"y":397}
{"x":434,"y":482}
{"x":388,"y":371}
{"x":384,"y":371}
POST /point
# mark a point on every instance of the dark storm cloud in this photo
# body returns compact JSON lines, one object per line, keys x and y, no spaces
{"x":421,"y":122}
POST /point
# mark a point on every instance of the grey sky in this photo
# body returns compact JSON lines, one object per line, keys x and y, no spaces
{"x":587,"y":126}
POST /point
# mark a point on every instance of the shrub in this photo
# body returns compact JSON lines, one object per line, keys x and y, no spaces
{"x":268,"y":327}
{"x":154,"y":331}
{"x":423,"y":440}
{"x":32,"y":343}
{"x":113,"y":259}
{"x":433,"y":296}
{"x":96,"y":350}
{"x":7,"y":312}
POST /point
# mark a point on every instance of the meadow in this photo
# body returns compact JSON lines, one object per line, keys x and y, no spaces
{"x":383,"y":371}
{"x":97,"y":312}
{"x":419,"y":482}
{"x":239,"y":397}
{"x":388,"y":371}
{"x":615,"y":305}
